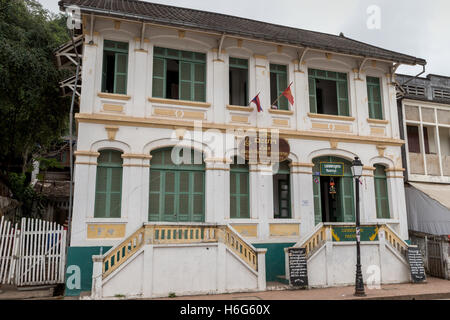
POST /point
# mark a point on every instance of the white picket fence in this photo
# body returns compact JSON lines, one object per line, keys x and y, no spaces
{"x":32,"y":254}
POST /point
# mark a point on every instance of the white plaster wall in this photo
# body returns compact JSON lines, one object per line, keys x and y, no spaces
{"x":335,"y":264}
{"x":157,"y":271}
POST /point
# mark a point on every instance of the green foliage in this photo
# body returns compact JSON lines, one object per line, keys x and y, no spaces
{"x":172,"y":295}
{"x":49,"y":163}
{"x":31,"y":201}
{"x":32,"y":113}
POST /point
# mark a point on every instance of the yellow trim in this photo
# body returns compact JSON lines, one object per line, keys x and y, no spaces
{"x":87,"y":153}
{"x":377,"y":131}
{"x":181,"y":34}
{"x":376,"y":121}
{"x":114,"y":96}
{"x":369,"y":168}
{"x":284,"y":133}
{"x":279,"y":49}
{"x":280,"y":122}
{"x":215,"y":50}
{"x":139,"y":40}
{"x":284,"y":230}
{"x":112,"y":107}
{"x":136,"y":165}
{"x":301,"y":172}
{"x":246,"y":230}
{"x":111,"y":131}
{"x":395,"y":170}
{"x":260,"y":66}
{"x":86,"y":163}
{"x":330,"y":117}
{"x":218,"y":60}
{"x":136,"y":156}
{"x":283,"y":112}
{"x":117,"y":25}
{"x":106,"y":231}
{"x":300,"y":164}
{"x":239,"y":108}
{"x":241,"y":119}
{"x":180,"y":102}
{"x":141,"y":50}
{"x":217,"y":169}
{"x":260,"y":56}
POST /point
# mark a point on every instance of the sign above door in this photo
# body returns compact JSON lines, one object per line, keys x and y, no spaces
{"x":332,"y":169}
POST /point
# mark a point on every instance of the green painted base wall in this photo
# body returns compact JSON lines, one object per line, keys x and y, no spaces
{"x":79,"y":268}
{"x":275,"y":259}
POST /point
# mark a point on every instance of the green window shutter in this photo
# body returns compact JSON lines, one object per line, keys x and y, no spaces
{"x":119,"y":50}
{"x":317,"y":201}
{"x":346,"y":200}
{"x":191,"y":73}
{"x":239,"y":192}
{"x":159,"y":78}
{"x":177,"y":193}
{"x":342,"y":93}
{"x":381,"y":193}
{"x":186,"y":81}
{"x":108,"y":193}
{"x":312,"y":95}
{"x":120,"y":81}
{"x":374,"y":98}
{"x":280,"y":72}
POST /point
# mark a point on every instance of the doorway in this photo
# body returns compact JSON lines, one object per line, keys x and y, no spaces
{"x":333,"y":194}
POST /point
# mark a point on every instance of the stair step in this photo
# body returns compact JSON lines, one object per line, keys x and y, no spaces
{"x":283,"y":279}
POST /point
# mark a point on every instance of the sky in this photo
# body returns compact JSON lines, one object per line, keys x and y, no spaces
{"x":415,"y":27}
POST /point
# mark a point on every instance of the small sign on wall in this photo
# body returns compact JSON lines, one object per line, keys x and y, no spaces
{"x":332,"y":169}
{"x":105,"y":231}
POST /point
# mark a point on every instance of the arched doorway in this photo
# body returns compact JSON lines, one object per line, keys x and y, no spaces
{"x":177,"y":191}
{"x":333,"y":190}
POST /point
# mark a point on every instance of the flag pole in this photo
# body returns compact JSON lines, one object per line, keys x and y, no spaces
{"x":280,"y":95}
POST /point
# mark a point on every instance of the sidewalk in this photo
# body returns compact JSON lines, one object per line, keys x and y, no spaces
{"x":433,"y":289}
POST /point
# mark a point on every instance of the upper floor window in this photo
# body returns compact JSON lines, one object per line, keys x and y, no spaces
{"x":179,"y":75}
{"x":108,"y":190}
{"x":374,"y":98}
{"x":238,"y":82}
{"x":328,"y":92}
{"x":278,"y":83}
{"x":115,"y":67}
{"x":282,"y":192}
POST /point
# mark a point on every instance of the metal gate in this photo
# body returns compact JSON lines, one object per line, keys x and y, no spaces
{"x":32,"y":254}
{"x":436,"y":261}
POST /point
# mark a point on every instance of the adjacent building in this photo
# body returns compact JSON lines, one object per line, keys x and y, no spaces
{"x":424,"y":107}
{"x":156,"y":78}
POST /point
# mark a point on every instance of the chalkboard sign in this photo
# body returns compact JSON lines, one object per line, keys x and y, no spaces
{"x":416,"y":265}
{"x":298,"y":274}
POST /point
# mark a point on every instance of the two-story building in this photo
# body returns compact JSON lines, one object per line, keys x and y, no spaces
{"x":158,"y":77}
{"x":425,"y":117}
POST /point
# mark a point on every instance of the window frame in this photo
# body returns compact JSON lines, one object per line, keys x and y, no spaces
{"x":312,"y":89}
{"x":163,"y":169}
{"x":378,"y":196}
{"x":117,"y":52}
{"x":280,"y":90}
{"x":239,"y":171}
{"x":239,"y":66}
{"x":192,"y":62}
{"x":370,"y":97}
{"x":109,"y":166}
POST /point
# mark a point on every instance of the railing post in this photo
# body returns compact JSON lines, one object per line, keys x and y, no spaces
{"x":261,"y":268}
{"x":97,"y":277}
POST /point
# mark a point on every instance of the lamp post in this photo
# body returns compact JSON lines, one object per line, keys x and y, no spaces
{"x":357,"y":168}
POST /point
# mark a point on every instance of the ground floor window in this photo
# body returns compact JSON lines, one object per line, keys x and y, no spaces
{"x":108,"y":189}
{"x":282,"y":192}
{"x":239,"y":190}
{"x":333,"y":193}
{"x":177,"y":192}
{"x":381,"y":192}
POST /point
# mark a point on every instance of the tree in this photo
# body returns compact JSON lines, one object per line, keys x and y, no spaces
{"x":33,"y":115}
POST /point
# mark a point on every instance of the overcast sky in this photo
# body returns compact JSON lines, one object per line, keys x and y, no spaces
{"x":416,"y":27}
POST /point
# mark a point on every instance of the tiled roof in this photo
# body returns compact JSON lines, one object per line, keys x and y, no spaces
{"x":235,"y":26}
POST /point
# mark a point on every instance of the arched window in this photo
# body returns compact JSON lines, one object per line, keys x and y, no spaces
{"x":381,"y":193}
{"x":282,"y":192}
{"x":177,"y":191}
{"x":239,"y":190}
{"x":333,"y":192}
{"x":108,"y":190}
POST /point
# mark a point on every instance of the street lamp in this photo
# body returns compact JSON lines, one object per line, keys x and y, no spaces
{"x":357,"y":169}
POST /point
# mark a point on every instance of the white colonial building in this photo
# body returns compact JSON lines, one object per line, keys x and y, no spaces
{"x":155,"y":77}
